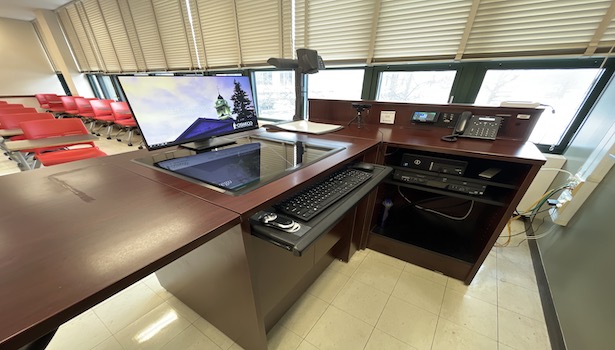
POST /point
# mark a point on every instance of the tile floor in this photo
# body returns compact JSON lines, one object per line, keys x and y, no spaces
{"x":372,"y":302}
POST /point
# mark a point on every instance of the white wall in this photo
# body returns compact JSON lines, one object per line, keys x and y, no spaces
{"x":24,"y":68}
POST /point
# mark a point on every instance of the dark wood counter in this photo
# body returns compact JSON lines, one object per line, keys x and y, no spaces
{"x":73,"y":235}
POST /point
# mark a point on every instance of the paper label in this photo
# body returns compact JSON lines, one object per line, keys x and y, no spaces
{"x":387,"y":117}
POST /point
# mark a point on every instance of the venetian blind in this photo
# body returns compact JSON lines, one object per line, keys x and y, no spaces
{"x":164,"y":35}
{"x":522,"y":27}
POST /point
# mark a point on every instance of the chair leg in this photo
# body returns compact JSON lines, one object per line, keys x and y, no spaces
{"x":109,"y":128}
{"x":130,"y":137}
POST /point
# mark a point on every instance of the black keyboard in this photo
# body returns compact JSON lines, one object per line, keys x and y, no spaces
{"x":316,"y":198}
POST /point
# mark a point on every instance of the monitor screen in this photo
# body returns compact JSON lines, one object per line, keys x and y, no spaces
{"x":230,"y":168}
{"x":176,"y":110}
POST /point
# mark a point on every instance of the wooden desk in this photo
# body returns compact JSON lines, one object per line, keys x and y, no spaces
{"x":75,"y":234}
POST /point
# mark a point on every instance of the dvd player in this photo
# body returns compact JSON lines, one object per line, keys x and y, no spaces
{"x":440,"y":181}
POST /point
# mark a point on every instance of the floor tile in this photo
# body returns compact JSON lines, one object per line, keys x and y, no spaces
{"x":420,"y":292}
{"x":83,"y":332}
{"x":126,"y":307}
{"x":470,"y":312}
{"x":377,"y":274}
{"x":520,"y":300}
{"x":304,"y":314}
{"x":519,"y":274}
{"x":425,"y":273}
{"x":385,"y":259}
{"x":109,"y":344}
{"x":351,"y":266}
{"x":338,"y":330}
{"x":380,"y":340}
{"x":213,"y":333}
{"x":328,"y":285}
{"x":154,"y":329}
{"x":152,"y":282}
{"x":281,"y":338}
{"x":191,"y":339}
{"x":362,"y":301}
{"x":520,"y":332}
{"x":408,"y":323}
{"x":305,"y":345}
{"x":450,"y":336}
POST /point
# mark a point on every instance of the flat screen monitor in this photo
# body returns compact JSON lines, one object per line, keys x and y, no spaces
{"x":230,"y":168}
{"x":191,"y":111}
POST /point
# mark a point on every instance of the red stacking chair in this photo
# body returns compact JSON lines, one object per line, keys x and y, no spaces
{"x":69,"y":105}
{"x":11,"y":105}
{"x":40,"y":129}
{"x":3,"y":102}
{"x":124,"y":119}
{"x":42,"y":101}
{"x":17,"y":110}
{"x":11,"y":121}
{"x":103,"y":115}
{"x":84,"y":110}
{"x":55,"y":103}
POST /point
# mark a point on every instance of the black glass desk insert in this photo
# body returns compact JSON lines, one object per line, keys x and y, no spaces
{"x":235,"y":169}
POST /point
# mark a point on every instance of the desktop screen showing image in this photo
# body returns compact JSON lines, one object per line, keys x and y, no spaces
{"x":230,"y":168}
{"x":173,"y":110}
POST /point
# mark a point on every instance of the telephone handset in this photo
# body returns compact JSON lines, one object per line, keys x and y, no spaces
{"x":472,"y":126}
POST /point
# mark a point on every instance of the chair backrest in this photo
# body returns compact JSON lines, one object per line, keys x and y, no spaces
{"x":40,"y":129}
{"x":3,"y":102}
{"x":121,"y":110}
{"x":102,"y":107}
{"x":83,"y":105}
{"x":11,"y":105}
{"x":11,"y":121}
{"x":18,"y":110}
{"x":69,"y":103}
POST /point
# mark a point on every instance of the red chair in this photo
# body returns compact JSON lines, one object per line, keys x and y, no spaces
{"x":42,"y":101}
{"x":11,"y":105}
{"x":84,"y":109}
{"x":103,"y":115}
{"x":40,"y":129}
{"x":3,"y":102}
{"x":12,"y":121}
{"x":124,"y":119}
{"x":18,"y":110}
{"x":55,"y":103}
{"x":69,"y":105}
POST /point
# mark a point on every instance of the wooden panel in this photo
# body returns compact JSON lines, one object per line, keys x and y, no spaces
{"x":342,"y":112}
{"x":215,"y":281}
{"x":73,"y":235}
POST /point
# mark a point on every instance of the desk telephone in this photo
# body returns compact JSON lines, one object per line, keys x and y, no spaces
{"x":472,"y":126}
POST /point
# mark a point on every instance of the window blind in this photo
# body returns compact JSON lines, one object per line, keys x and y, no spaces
{"x":165,"y":35}
{"x":522,"y":27}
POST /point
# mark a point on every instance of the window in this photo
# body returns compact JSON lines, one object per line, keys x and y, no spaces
{"x":275,"y":94}
{"x":416,"y":86}
{"x":337,"y":84}
{"x":562,"y":91}
{"x":107,"y":87}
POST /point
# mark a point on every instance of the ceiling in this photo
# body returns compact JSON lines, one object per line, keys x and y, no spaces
{"x":24,"y":9}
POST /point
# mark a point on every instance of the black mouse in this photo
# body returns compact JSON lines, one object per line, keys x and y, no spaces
{"x":363,"y":166}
